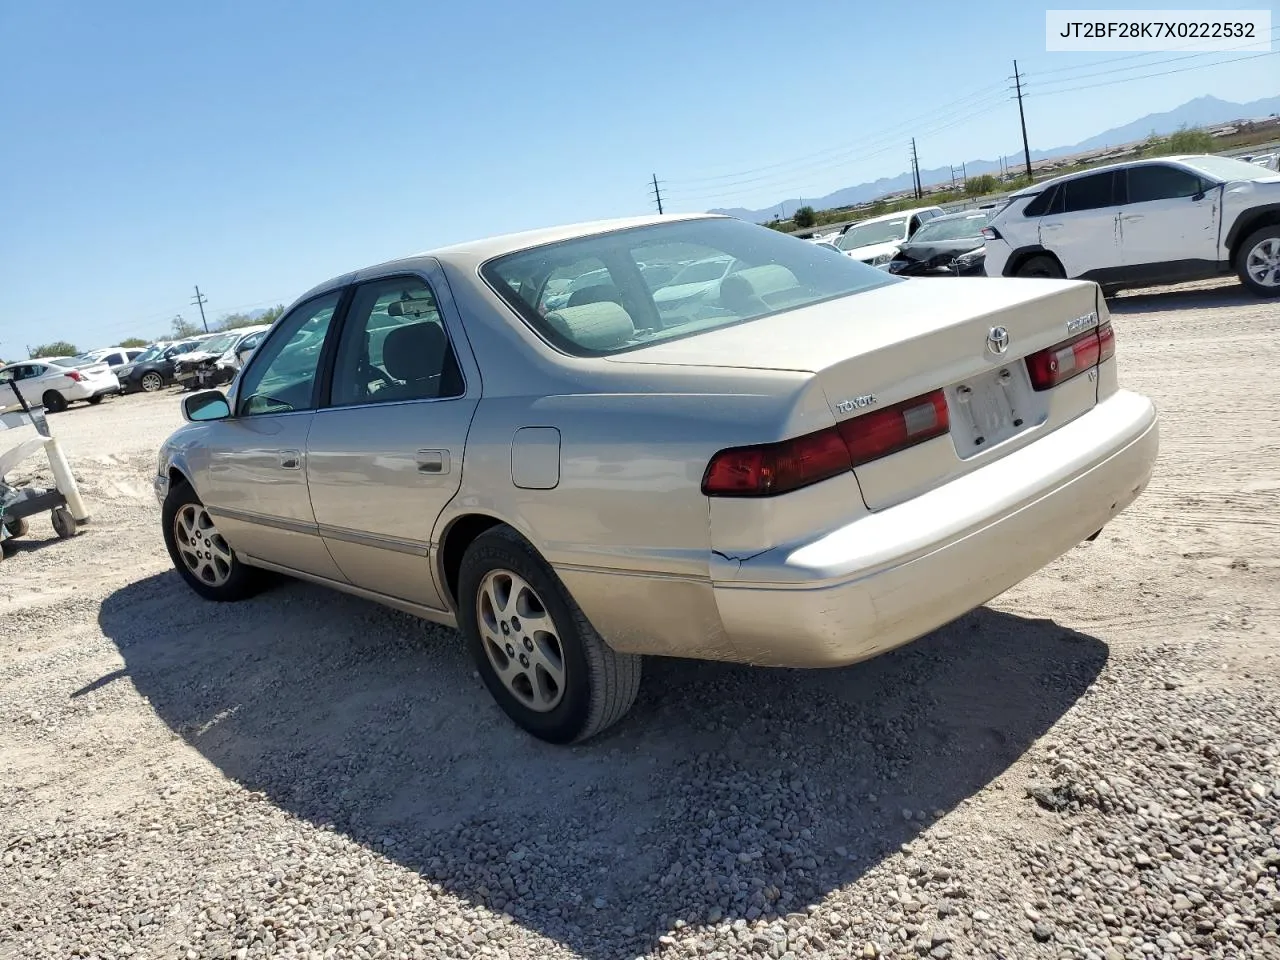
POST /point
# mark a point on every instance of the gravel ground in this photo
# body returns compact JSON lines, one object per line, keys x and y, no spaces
{"x":1088,"y":767}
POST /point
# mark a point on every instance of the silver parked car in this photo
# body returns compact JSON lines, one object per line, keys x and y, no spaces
{"x":817,"y":464}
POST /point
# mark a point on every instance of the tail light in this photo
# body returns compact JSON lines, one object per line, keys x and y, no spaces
{"x":767,"y":470}
{"x":990,"y":233}
{"x":1070,"y":358}
{"x":75,"y":375}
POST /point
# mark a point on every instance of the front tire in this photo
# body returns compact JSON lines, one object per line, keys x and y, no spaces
{"x":200,"y":554}
{"x":94,"y":401}
{"x":1041,"y":266}
{"x":151,"y":382}
{"x":536,"y":651}
{"x":1258,"y":261}
{"x":53,"y":401}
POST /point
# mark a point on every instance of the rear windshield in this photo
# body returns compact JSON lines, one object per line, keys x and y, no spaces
{"x":757,"y":272}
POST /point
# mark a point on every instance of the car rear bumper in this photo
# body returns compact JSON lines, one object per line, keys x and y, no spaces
{"x":902,"y":572}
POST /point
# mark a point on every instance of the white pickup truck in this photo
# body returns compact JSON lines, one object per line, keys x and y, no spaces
{"x":1145,"y":223}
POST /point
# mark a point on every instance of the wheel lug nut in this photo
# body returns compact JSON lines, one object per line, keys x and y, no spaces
{"x":524,"y":661}
{"x":515,"y":623}
{"x":511,"y":651}
{"x":528,"y":644}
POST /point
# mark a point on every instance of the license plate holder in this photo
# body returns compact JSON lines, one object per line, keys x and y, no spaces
{"x":986,"y":411}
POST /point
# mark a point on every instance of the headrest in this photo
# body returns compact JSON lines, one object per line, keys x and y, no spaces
{"x":596,"y":326}
{"x":770,"y":278}
{"x":595,"y":294}
{"x":415,"y":351}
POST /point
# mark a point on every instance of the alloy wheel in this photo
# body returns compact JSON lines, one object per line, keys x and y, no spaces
{"x":1262,"y":263}
{"x":200,"y":545}
{"x":521,"y":640}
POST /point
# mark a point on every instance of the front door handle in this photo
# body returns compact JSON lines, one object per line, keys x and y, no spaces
{"x":433,"y":461}
{"x":290,"y":459}
{"x":1132,"y":218}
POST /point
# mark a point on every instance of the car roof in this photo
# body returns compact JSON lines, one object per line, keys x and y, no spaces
{"x":1140,"y":162}
{"x":960,"y":215}
{"x":896,"y":215}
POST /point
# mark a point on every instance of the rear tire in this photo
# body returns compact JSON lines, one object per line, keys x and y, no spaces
{"x":552,"y":673}
{"x":53,"y":401}
{"x":1258,"y":261}
{"x":208,"y":564}
{"x":17,"y":527}
{"x":1042,"y":266}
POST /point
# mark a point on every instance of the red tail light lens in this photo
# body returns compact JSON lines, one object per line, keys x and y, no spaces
{"x":875,"y":435}
{"x":1070,"y":358}
{"x":770,"y":469}
{"x":75,"y":375}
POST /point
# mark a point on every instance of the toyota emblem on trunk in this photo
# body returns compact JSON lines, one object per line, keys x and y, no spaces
{"x":998,"y":340}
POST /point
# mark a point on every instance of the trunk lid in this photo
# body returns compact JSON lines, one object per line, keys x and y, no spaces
{"x":883,"y":346}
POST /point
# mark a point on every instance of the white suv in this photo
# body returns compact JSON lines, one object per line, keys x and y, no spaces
{"x":1145,"y":223}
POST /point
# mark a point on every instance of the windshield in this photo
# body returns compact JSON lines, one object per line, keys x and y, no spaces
{"x":961,"y":228}
{"x":865,"y":234}
{"x":149,"y":354}
{"x":772,"y":273}
{"x":220,"y":344}
{"x":1226,"y":168}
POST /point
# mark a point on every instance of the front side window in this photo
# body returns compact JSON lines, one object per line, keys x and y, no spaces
{"x":1087,"y":193}
{"x":749,"y":272}
{"x":282,"y":377}
{"x":394,"y":346}
{"x":1159,"y":182}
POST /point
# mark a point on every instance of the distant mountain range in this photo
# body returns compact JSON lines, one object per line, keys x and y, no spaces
{"x":1200,"y":112}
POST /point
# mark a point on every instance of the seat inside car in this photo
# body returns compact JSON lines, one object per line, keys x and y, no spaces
{"x":597,"y":293}
{"x":419,"y":357}
{"x":597,"y":326}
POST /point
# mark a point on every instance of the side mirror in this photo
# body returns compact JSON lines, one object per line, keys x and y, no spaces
{"x":1198,"y":196}
{"x":205,"y":405}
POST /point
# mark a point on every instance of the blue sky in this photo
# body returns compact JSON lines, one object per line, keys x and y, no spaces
{"x":256,"y":148}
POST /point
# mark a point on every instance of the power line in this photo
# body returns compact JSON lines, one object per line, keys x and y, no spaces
{"x":1128,"y":56}
{"x":1148,"y":76}
{"x":1145,"y":65}
{"x":893,"y":130}
{"x":759,"y":183}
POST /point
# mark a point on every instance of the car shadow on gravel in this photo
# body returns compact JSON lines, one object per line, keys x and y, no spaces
{"x":728,"y":792}
{"x":1227,"y":294}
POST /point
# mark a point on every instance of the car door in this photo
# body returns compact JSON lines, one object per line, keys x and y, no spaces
{"x":385,"y":456}
{"x":8,"y":399}
{"x":1081,"y":226}
{"x":1168,"y":214}
{"x":250,"y":469}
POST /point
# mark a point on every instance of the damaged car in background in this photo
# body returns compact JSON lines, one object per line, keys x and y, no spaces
{"x":208,"y":365}
{"x":950,"y":246}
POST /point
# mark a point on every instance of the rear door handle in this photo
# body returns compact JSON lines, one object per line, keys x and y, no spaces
{"x":433,"y":461}
{"x":290,"y":459}
{"x":1051,"y":226}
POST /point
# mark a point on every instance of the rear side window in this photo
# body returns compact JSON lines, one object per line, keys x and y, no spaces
{"x":1040,"y":205}
{"x":1088,"y":193}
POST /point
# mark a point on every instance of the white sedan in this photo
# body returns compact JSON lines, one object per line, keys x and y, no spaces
{"x":54,"y":382}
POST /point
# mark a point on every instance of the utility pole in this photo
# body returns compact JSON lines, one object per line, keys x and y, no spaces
{"x":915,"y":169}
{"x":964,"y":174}
{"x":200,"y":300}
{"x":657,"y":194}
{"x":1026,"y":150}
